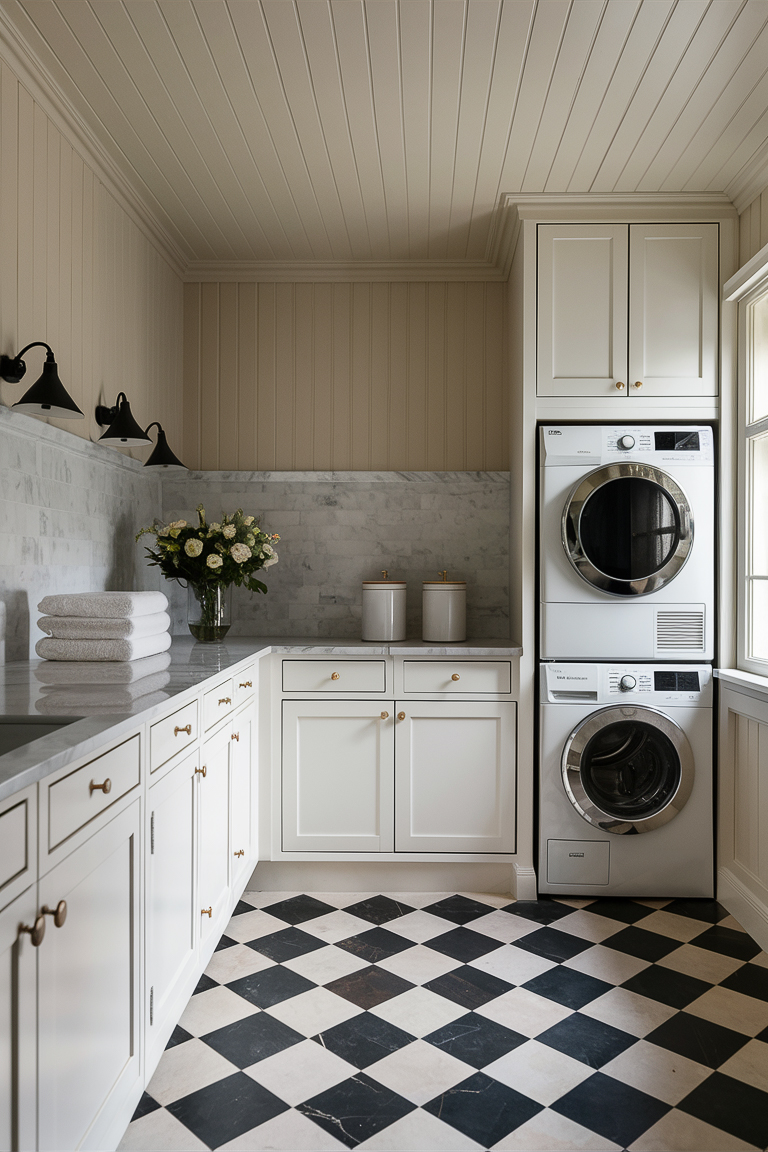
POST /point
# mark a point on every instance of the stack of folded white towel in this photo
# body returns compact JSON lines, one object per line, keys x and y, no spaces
{"x":104,"y":626}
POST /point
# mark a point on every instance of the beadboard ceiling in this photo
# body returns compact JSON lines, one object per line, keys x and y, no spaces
{"x":376,"y":132}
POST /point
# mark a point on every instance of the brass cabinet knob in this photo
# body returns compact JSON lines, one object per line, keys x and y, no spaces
{"x":106,"y":787}
{"x":638,"y":383}
{"x":37,"y":931}
{"x":401,"y":715}
{"x":207,"y":911}
{"x":241,"y":852}
{"x":620,"y":385}
{"x":246,"y":684}
{"x":59,"y":913}
{"x":225,"y":700}
{"x":335,"y":675}
{"x":385,"y":715}
{"x":235,"y":736}
{"x":187,"y":728}
{"x":455,"y":676}
{"x":202,"y":771}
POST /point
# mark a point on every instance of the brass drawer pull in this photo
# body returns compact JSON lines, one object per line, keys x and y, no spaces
{"x":236,"y":736}
{"x":385,"y":715}
{"x":247,"y":684}
{"x":335,"y":675}
{"x":37,"y":931}
{"x":638,"y":383}
{"x":455,"y":676}
{"x":106,"y":787}
{"x":202,"y":771}
{"x":620,"y":385}
{"x":207,"y":911}
{"x":401,"y":715}
{"x":225,"y":700}
{"x":187,"y":728}
{"x":59,"y":913}
{"x":241,"y":852}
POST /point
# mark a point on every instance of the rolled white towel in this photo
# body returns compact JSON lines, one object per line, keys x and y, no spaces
{"x":103,"y":649}
{"x":77,"y":672}
{"x":52,"y":708}
{"x":110,"y":604}
{"x":104,"y":627}
{"x":106,"y":693}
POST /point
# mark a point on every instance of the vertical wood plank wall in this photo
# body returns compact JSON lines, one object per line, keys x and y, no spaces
{"x":78,"y":273}
{"x":753,"y":227}
{"x":344,"y":376}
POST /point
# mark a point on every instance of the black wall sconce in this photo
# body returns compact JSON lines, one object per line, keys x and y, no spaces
{"x":124,"y":432}
{"x":47,"y":396}
{"x":161,"y":455}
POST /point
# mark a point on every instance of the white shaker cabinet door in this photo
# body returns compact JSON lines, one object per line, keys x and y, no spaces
{"x":673,"y":314}
{"x":18,"y":982}
{"x":242,"y":789}
{"x":213,"y":836}
{"x":455,"y":777}
{"x":338,"y":775}
{"x":582,"y":310}
{"x":88,"y":987}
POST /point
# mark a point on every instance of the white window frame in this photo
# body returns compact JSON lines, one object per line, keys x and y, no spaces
{"x":749,"y":284}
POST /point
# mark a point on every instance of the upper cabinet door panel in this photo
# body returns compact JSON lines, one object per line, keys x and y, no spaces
{"x":582,"y":310}
{"x":673,"y":316}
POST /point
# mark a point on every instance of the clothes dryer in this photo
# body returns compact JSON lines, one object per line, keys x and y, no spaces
{"x":625,"y":780}
{"x":627,"y":542}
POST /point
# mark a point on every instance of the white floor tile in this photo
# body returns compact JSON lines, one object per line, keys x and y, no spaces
{"x":731,"y":1010}
{"x":606,"y":964}
{"x":342,"y":899}
{"x":419,"y":1011}
{"x":548,"y":1131}
{"x":419,"y":964}
{"x":301,"y":1072}
{"x":701,"y":963}
{"x":419,"y":899}
{"x":679,"y":1132}
{"x":749,"y":1064}
{"x":525,"y":1012}
{"x":657,"y":1071}
{"x":419,"y":926}
{"x":214,"y":1009}
{"x":419,"y":1072}
{"x":335,"y":926}
{"x":514,"y":965}
{"x":539,"y":1072}
{"x":159,"y":1130}
{"x":314,"y":1011}
{"x":502,"y":926}
{"x":682,"y":928}
{"x":419,"y":1132}
{"x":264,"y":899}
{"x":288,"y":1132}
{"x":326,"y":964}
{"x":187,"y":1068}
{"x":628,"y":1011}
{"x":495,"y":899}
{"x":253,"y":925}
{"x":234,"y":963}
{"x":588,"y":926}
{"x":761,"y":959}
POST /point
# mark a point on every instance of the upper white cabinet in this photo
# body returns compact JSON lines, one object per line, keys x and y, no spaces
{"x":627,"y":310}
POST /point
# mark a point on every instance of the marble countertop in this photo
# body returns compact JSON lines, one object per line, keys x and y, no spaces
{"x":87,"y":723}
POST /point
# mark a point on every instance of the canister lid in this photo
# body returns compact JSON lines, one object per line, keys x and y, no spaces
{"x":384,"y":584}
{"x":453,"y":584}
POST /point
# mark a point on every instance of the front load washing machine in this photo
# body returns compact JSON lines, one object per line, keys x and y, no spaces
{"x":627,"y":542}
{"x":625,"y":780}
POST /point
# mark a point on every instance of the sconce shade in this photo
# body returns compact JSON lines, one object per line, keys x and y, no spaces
{"x":123,"y":430}
{"x":47,"y":396}
{"x":161,"y":455}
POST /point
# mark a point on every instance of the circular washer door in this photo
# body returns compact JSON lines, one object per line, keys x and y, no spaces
{"x":627,"y":770}
{"x":627,"y":529}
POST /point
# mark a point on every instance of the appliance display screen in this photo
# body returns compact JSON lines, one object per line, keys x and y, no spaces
{"x":676,"y":682}
{"x":677,"y":441}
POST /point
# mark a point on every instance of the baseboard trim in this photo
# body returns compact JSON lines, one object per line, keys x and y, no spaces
{"x":744,"y":905}
{"x":381,"y":876}
{"x":525,"y":882}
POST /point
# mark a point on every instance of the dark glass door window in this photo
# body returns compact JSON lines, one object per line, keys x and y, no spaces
{"x":630,"y":770}
{"x":629,"y":528}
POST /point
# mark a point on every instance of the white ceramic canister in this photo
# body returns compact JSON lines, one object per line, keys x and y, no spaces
{"x":444,"y":610}
{"x":384,"y":609}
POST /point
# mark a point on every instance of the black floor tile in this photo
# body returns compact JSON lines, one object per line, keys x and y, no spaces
{"x":286,"y":944}
{"x":363,"y":1040}
{"x":628,"y":911}
{"x":226,"y":1109}
{"x":356,"y":1109}
{"x":459,"y":909}
{"x":469,"y":987}
{"x":463,"y":944}
{"x":763,"y":1036}
{"x":540,"y":911}
{"x":298,"y":909}
{"x":483,"y":1109}
{"x":707,"y":910}
{"x":225,"y":942}
{"x":179,"y":1036}
{"x":375,"y":945}
{"x":699,"y":1040}
{"x":271,"y":986}
{"x":667,"y":986}
{"x":641,"y":943}
{"x":369,"y":986}
{"x":553,"y":945}
{"x":255,"y":1038}
{"x":750,"y":979}
{"x":145,"y":1106}
{"x":204,"y":984}
{"x":614,"y":1110}
{"x":728,"y":942}
{"x":241,"y":908}
{"x":379,"y":909}
{"x":587,"y":1040}
{"x":729,"y":1104}
{"x":475,"y":1040}
{"x":568,"y":987}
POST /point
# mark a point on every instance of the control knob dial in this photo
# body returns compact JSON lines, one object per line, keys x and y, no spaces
{"x":627,"y":683}
{"x":626,"y":442}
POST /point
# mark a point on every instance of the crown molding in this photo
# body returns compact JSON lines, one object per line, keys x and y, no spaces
{"x":751,"y":180}
{"x":33,"y":74}
{"x":336,"y":271}
{"x":620,"y":205}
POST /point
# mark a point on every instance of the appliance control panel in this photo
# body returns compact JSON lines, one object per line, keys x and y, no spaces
{"x":657,"y":685}
{"x":569,"y":444}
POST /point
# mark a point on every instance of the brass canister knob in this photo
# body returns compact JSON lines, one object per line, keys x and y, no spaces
{"x":59,"y":913}
{"x":106,"y":787}
{"x":36,"y":932}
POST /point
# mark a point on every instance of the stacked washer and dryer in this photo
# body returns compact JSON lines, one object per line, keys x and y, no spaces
{"x":627,"y":561}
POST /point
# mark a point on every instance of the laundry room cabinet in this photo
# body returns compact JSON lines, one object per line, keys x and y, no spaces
{"x":627,"y":311}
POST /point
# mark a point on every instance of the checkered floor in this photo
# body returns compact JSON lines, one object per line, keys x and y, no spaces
{"x":444,"y":1021}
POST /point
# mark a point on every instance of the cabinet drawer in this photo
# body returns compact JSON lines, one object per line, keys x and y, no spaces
{"x":170,"y":735}
{"x":18,"y":821}
{"x":333,"y":675}
{"x":73,"y":801}
{"x":457,"y":676}
{"x":217,"y":703}
{"x":244,"y":685}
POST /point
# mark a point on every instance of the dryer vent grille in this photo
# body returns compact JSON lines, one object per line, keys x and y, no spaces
{"x":680,"y":630}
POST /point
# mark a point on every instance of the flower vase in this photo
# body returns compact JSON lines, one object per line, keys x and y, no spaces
{"x":209,"y":611}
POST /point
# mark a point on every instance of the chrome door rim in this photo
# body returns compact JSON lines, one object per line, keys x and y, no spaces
{"x":571,"y":529}
{"x":571,"y":768}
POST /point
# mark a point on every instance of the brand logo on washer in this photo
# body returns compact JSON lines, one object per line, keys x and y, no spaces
{"x":579,"y":855}
{"x":554,"y":432}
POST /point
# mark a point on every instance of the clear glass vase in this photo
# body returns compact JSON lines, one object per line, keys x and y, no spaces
{"x":209,"y":611}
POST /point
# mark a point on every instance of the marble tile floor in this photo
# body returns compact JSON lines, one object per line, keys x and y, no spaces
{"x":417,"y":1021}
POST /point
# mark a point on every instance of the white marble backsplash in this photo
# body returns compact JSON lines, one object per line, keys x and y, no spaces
{"x":340,"y":528}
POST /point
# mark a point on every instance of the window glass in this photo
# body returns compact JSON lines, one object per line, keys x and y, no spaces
{"x":760,"y":359}
{"x":759,"y":506}
{"x":758,"y":624}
